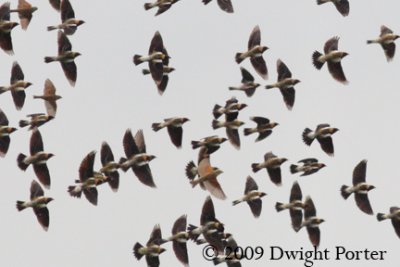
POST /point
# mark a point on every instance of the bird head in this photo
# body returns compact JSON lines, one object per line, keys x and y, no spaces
{"x":242,"y":106}
{"x":49,"y":199}
{"x":274,"y":124}
{"x":222,"y":139}
{"x":50,"y":155}
{"x":185,"y":120}
{"x":27,"y":84}
{"x":33,"y":9}
{"x":334,"y":130}
{"x":262,"y":194}
{"x":79,"y":22}
{"x":263,"y":48}
{"x":11,"y":129}
{"x":296,"y":81}
{"x":76,"y":54}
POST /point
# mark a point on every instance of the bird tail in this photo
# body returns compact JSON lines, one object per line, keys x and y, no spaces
{"x":235,"y":202}
{"x":23,"y":123}
{"x":148,"y":6}
{"x":74,"y":191}
{"x":195,"y":144}
{"x":216,"y":111}
{"x":371,"y":41}
{"x":136,"y":252}
{"x":293,"y":169}
{"x":191,"y":170}
{"x":218,"y":260}
{"x":20,"y":205}
{"x":156,"y":126}
{"x":279,"y":206}
{"x":49,"y":59}
{"x":315,"y":56}
{"x":121,"y":163}
{"x":344,"y":192}
{"x":269,"y":86}
{"x":137,"y":60}
{"x":320,"y":2}
{"x":3,"y":89}
{"x":381,"y":217}
{"x":238,"y":58}
{"x":255,"y":167}
{"x":145,"y":71}
{"x":36,"y":97}
{"x":247,"y":131}
{"x":215,"y":124}
{"x":51,"y":28}
{"x":190,"y":230}
{"x":306,"y":139}
{"x":21,"y":164}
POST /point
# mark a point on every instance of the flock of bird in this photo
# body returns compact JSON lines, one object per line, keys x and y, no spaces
{"x":203,"y":174}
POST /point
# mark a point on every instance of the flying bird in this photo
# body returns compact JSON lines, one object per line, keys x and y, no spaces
{"x":295,"y":206}
{"x":342,"y":6}
{"x":273,"y":165}
{"x":211,"y":143}
{"x":162,"y":5}
{"x":232,"y":255}
{"x":5,"y":132}
{"x":360,"y":188}
{"x":38,"y":202}
{"x":69,"y":23}
{"x":50,"y":98}
{"x":231,"y":108}
{"x":88,"y":180}
{"x":248,"y":85}
{"x":36,"y":120}
{"x":311,"y":222}
{"x":37,"y":159}
{"x":137,"y":158}
{"x":254,"y":52}
{"x":264,"y":128}
{"x":394,"y":216}
{"x":17,"y":86}
{"x":152,"y":249}
{"x":285,"y":84}
{"x":25,"y":11}
{"x":308,"y":166}
{"x":323,"y":134}
{"x":232,"y":125}
{"x":252,"y":196}
{"x":386,"y":40}
{"x":157,"y":58}
{"x":225,"y":5}
{"x":66,"y":58}
{"x":333,"y":58}
{"x":110,"y":167}
{"x":6,"y":26}
{"x":174,"y":127}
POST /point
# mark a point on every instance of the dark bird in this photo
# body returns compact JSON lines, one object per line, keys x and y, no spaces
{"x":179,"y":239}
{"x":156,"y":58}
{"x":248,"y":85}
{"x":231,"y":108}
{"x":394,"y":216}
{"x":25,"y":11}
{"x":212,"y":143}
{"x":232,"y":254}
{"x":37,"y":159}
{"x":311,"y":222}
{"x":341,"y":5}
{"x":323,"y":134}
{"x":333,"y":57}
{"x":50,"y":98}
{"x":6,"y":27}
{"x":386,"y":40}
{"x":295,"y":206}
{"x":69,"y":23}
{"x":110,"y":167}
{"x":17,"y":86}
{"x":5,"y":132}
{"x":360,"y":188}
{"x":210,"y":227}
{"x":137,"y":158}
{"x":66,"y":58}
{"x":38,"y":202}
{"x":207,"y":177}
{"x":264,"y":128}
{"x":162,"y":5}
{"x":152,"y":249}
{"x":225,"y":5}
{"x":174,"y":127}
{"x":254,"y":52}
{"x":252,"y":196}
{"x":308,"y":166}
{"x":56,"y":4}
{"x":273,"y":165}
{"x":88,"y":180}
{"x":36,"y":120}
{"x":232,"y":125}
{"x":285,"y":84}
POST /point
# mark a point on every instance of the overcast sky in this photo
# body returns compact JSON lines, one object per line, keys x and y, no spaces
{"x":111,"y":95}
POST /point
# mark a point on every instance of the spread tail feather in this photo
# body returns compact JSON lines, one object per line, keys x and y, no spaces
{"x":156,"y":126}
{"x":381,"y":217}
{"x":136,"y":249}
{"x":238,"y":58}
{"x":279,"y":206}
{"x":20,"y":205}
{"x":306,"y":139}
{"x":21,"y":164}
{"x":318,"y":64}
{"x":255,"y":167}
{"x":344,"y":192}
{"x":216,"y":111}
{"x":137,"y":60}
{"x":293,"y":169}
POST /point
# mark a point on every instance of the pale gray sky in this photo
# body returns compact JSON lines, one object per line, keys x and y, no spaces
{"x":111,"y":95}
